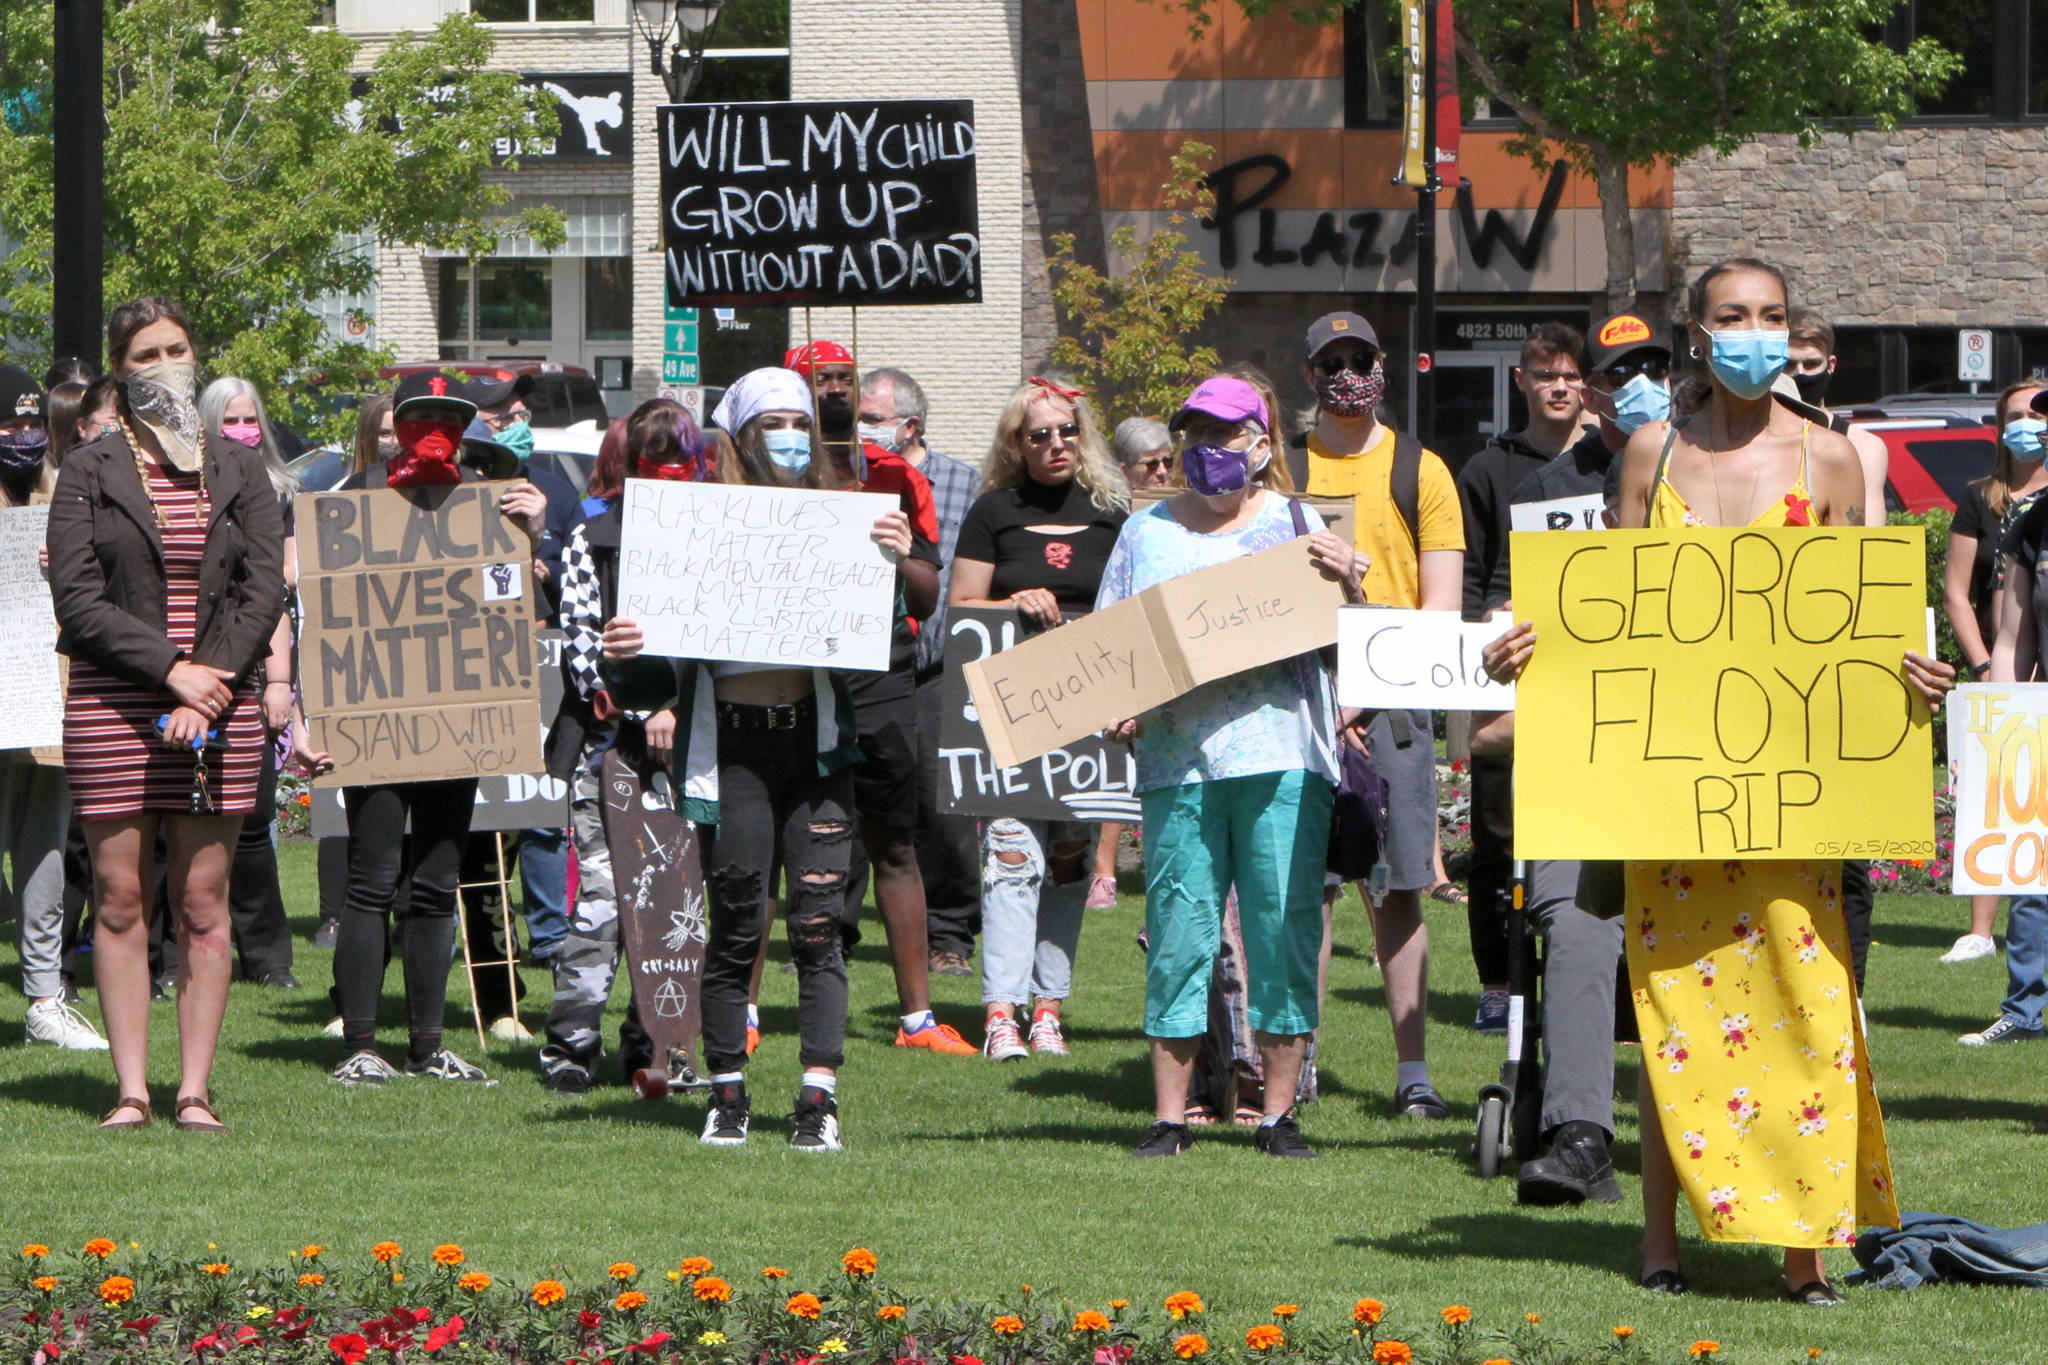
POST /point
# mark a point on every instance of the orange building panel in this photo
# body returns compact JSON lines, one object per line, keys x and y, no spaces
{"x":1092,"y":18}
{"x":1371,"y":158}
{"x":1149,"y":42}
{"x":1278,"y":45}
{"x":1131,"y":168}
{"x":1316,"y":156}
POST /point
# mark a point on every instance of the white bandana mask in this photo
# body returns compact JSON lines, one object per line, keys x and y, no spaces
{"x":162,"y":398}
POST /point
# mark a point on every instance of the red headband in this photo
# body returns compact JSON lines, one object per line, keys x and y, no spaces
{"x":1050,"y":387}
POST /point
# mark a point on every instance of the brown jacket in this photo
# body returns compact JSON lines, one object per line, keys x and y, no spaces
{"x":107,"y":564}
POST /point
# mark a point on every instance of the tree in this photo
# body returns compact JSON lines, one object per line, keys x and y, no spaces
{"x":1127,"y":334}
{"x":242,"y":155}
{"x":1613,"y":86}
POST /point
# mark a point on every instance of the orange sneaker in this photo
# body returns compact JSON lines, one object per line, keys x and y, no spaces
{"x":938,"y":1038}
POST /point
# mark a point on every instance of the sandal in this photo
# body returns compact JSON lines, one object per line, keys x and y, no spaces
{"x":1665,"y":1282}
{"x":1249,"y":1116}
{"x":1198,"y":1114}
{"x":1815,"y":1294}
{"x":140,"y":1106}
{"x":195,"y":1102}
{"x":1448,"y":892}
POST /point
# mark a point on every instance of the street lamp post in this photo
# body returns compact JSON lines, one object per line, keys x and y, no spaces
{"x":681,"y":26}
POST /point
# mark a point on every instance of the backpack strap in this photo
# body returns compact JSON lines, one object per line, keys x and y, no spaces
{"x":1405,"y":482}
{"x":1300,"y":521}
{"x":1297,"y":461}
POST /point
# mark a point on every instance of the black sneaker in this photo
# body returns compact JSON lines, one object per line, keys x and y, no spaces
{"x":726,"y":1124}
{"x":817,"y":1121}
{"x":562,"y":1073}
{"x":279,"y":980}
{"x":1282,"y":1137}
{"x":1575,"y":1169}
{"x":1164,"y":1139}
{"x":1421,"y":1101}
{"x":323,"y":937}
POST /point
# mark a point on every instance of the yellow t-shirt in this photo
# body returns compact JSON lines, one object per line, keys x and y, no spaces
{"x":1395,"y":578}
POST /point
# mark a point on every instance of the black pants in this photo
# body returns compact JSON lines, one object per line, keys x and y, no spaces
{"x":379,"y":857}
{"x":771,"y":796}
{"x":263,"y":938}
{"x":333,"y":864}
{"x":1858,"y":904}
{"x":1493,"y":864}
{"x":948,"y":846}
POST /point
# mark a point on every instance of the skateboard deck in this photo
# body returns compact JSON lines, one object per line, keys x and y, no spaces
{"x":658,"y":878}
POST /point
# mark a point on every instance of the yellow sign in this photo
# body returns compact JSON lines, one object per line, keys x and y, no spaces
{"x":1997,"y":736}
{"x":1722,"y":693}
{"x":1414,"y":97}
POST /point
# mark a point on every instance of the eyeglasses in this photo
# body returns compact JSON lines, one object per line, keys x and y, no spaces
{"x":1334,"y":365}
{"x":1653,"y":367}
{"x":510,"y":415}
{"x":1039,"y":436}
{"x":1154,"y":465}
{"x":1543,"y":378}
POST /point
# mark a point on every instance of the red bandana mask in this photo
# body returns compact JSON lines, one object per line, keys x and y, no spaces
{"x":426,"y":454}
{"x":685,"y":471}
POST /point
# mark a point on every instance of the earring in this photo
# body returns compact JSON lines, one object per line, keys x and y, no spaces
{"x":1694,"y":353}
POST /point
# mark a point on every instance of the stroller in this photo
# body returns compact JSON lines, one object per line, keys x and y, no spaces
{"x":1510,"y":1112}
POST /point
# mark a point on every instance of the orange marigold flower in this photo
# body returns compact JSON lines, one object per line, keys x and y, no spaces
{"x":1286,"y":1310}
{"x":99,"y":1248}
{"x":1368,"y":1311}
{"x":46,"y":1283}
{"x":387,"y":1252}
{"x":548,"y":1293}
{"x":1190,"y":1344}
{"x":859,"y":1261}
{"x":1457,"y":1315}
{"x":711,"y":1289}
{"x":629,"y":1301}
{"x":1391,"y":1353}
{"x":476,"y":1282}
{"x":311,"y":1253}
{"x":1265,"y":1337}
{"x":622,"y":1270}
{"x":774,"y":1272}
{"x":1009,"y":1324}
{"x":1088,"y":1320}
{"x":312,"y":1279}
{"x":1704,"y":1348}
{"x":804,"y":1306}
{"x":448,"y":1254}
{"x":116,"y":1289}
{"x":216,"y":1267}
{"x":1183,"y":1303}
{"x":891,"y":1312}
{"x":1497,"y":1360}
{"x":695,"y":1265}
{"x":1813,"y":1353}
{"x":34,"y":1251}
{"x":1532,"y":1318}
{"x":1624,"y":1332}
{"x":1119,"y":1304}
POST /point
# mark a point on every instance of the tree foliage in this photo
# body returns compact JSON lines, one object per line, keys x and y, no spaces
{"x":1126,"y":334}
{"x":241,"y":157}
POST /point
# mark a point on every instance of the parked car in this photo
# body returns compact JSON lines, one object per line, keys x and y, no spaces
{"x":1932,"y":459}
{"x":1981,"y":408}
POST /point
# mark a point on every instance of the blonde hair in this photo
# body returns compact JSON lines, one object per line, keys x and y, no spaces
{"x":1997,"y":486}
{"x":1096,"y":470}
{"x":213,"y":407}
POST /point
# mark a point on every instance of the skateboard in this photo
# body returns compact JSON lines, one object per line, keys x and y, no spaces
{"x":658,"y":877}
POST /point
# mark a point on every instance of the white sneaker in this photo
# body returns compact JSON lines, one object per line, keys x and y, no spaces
{"x":1003,"y":1043}
{"x":508,"y":1029}
{"x":364,"y":1067}
{"x":53,"y":1021}
{"x":1046,"y":1035}
{"x":1969,"y":948}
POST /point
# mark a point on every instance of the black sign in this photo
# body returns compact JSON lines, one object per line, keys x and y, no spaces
{"x":1095,"y":780}
{"x":596,"y":114}
{"x":827,"y":202}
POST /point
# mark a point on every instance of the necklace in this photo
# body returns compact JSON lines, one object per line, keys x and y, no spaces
{"x":142,"y":472}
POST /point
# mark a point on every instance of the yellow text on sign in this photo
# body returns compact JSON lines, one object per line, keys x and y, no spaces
{"x":1722,"y":693}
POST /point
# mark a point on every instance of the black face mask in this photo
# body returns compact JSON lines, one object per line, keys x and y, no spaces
{"x":835,"y":416}
{"x":1814,"y":387}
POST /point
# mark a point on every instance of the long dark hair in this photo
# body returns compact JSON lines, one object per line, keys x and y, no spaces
{"x":131,"y":317}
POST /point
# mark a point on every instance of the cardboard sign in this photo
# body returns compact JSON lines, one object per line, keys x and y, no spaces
{"x":1723,"y":693}
{"x":1417,"y":660}
{"x":1998,"y":756}
{"x":1090,"y":779}
{"x":1586,"y":512}
{"x":1146,"y":650}
{"x":757,"y":575}
{"x":30,"y":678}
{"x":1338,"y":514}
{"x":849,"y":202}
{"x":416,"y":654}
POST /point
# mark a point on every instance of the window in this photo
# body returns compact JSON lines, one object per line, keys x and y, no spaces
{"x":1372,"y":66}
{"x":748,"y":57}
{"x":2004,"y":47}
{"x":534,"y":11}
{"x":608,"y":298}
{"x":496,"y":300}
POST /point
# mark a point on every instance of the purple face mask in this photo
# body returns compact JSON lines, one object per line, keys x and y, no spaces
{"x":1213,"y":469}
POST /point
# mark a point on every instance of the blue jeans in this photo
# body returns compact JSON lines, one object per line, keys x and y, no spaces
{"x":1030,"y":924}
{"x":544,"y":872}
{"x":2026,"y":960}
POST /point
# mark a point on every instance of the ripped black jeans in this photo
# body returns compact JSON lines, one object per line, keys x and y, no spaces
{"x":770,"y":797}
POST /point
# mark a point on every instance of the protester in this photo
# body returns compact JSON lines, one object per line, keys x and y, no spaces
{"x":411,"y":832}
{"x":1237,"y":778}
{"x":1409,"y":532}
{"x":885,"y":703}
{"x":1549,"y":377}
{"x":1973,"y":571}
{"x":1037,"y":541}
{"x":376,"y":438}
{"x":166,"y":555}
{"x":893,"y":418}
{"x":1627,"y":386}
{"x":78,"y":412}
{"x":765,"y":754}
{"x":1745,"y":460}
{"x":1144,"y":452}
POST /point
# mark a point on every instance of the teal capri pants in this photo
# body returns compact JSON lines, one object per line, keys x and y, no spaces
{"x":1269,"y":836}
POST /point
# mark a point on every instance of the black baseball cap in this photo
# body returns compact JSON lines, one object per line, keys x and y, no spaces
{"x":2036,"y":402}
{"x":481,"y":451}
{"x":1338,"y":327}
{"x":20,"y":395}
{"x":488,"y":392}
{"x":1621,"y":335}
{"x":425,"y":393}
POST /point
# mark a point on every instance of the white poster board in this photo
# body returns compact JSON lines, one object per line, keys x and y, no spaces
{"x":1584,"y":512}
{"x":29,"y":677}
{"x":757,"y":575}
{"x":1418,"y":660}
{"x":1997,"y":752}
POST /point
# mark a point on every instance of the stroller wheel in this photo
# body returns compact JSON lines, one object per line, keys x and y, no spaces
{"x":1491,"y":1143}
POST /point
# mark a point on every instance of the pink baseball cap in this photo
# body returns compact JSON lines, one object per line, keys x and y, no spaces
{"x":1227,"y":400}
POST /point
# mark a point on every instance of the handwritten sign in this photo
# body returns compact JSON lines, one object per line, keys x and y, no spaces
{"x":1998,"y":755}
{"x":1417,"y":660}
{"x":416,"y":654}
{"x":1090,"y":779}
{"x":1586,"y":512}
{"x":844,"y":202}
{"x":1722,"y":693}
{"x":29,"y":669}
{"x":1052,"y":691}
{"x":757,"y":575}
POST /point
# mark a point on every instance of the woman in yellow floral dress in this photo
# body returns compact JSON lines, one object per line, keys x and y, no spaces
{"x":1756,"y":1084}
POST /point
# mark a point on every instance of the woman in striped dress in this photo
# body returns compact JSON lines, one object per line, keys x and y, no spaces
{"x":166,"y":552}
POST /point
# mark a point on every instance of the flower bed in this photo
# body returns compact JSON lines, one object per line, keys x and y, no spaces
{"x":103,"y":1304}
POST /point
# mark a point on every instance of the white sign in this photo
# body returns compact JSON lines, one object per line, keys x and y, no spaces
{"x":757,"y":575}
{"x":1586,"y":512}
{"x":34,"y":714}
{"x":691,"y":396}
{"x":1973,"y":355}
{"x":1417,"y":660}
{"x":1997,"y":754}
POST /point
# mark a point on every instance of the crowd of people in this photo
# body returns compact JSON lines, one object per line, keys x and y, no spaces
{"x":171,"y":560}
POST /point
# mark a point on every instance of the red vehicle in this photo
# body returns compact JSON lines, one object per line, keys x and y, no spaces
{"x":1932,"y":462}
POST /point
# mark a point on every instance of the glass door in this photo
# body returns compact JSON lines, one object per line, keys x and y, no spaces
{"x":1471,"y":402}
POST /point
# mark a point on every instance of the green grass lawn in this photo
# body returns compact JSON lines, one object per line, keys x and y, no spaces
{"x":969,"y":1178}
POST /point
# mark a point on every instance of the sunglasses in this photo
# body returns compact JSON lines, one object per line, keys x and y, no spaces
{"x":1039,"y":436}
{"x":1654,"y":367}
{"x":1334,"y":365}
{"x":1153,"y":465}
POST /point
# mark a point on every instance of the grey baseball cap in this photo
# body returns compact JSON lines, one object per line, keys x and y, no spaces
{"x":1338,"y":327}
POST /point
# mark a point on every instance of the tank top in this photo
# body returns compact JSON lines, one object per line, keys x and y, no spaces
{"x":1668,"y":506}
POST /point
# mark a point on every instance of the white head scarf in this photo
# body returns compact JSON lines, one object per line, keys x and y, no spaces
{"x":772,"y":389}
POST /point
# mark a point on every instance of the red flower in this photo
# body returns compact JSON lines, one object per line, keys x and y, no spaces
{"x":966,"y":1360}
{"x":444,"y":1334}
{"x":49,"y":1352}
{"x":142,"y":1326}
{"x":651,"y":1346}
{"x":589,"y":1317}
{"x":245,"y":1335}
{"x":350,"y":1346}
{"x":1112,"y":1355}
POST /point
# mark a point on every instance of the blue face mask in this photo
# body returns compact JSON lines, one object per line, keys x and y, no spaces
{"x":1749,"y":360}
{"x":789,"y":448}
{"x":1639,"y":402}
{"x":2023,"y":437}
{"x":517,"y":438}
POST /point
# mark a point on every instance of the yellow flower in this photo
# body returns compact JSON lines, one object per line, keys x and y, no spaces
{"x":622,"y":1270}
{"x":1183,"y":1303}
{"x":312,"y":1280}
{"x":116,"y":1289}
{"x":1118,"y":1305}
{"x":34,"y":1251}
{"x":1532,"y":1318}
{"x":832,"y":1346}
{"x":1497,"y":1360}
{"x":891,"y":1312}
{"x":216,"y":1267}
{"x":714,"y":1337}
{"x":398,"y":1277}
{"x":387,"y":1252}
{"x":629,"y":1301}
{"x":1008,"y":1325}
{"x":1088,"y":1320}
{"x":695,"y":1265}
{"x":448,"y":1254}
{"x":259,"y":1312}
{"x":99,"y":1248}
{"x":548,"y":1293}
{"x":1457,"y":1315}
{"x":860,"y":1261}
{"x":1190,"y":1344}
{"x":1265,"y":1337}
{"x":476,"y":1282}
{"x":46,"y":1283}
{"x":1704,"y":1348}
{"x":1286,"y":1310}
{"x":675,"y":1277}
